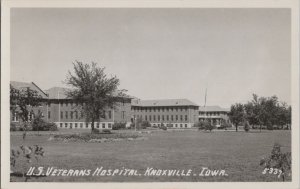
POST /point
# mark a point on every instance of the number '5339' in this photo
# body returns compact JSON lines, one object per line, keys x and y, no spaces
{"x":273,"y":171}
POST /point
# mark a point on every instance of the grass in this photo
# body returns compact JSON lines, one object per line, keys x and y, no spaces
{"x":239,"y":153}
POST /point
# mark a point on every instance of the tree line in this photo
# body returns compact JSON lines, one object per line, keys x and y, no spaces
{"x":262,"y":112}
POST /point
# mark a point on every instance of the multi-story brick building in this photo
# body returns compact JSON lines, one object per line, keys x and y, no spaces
{"x":215,"y":114}
{"x":67,"y":113}
{"x":177,"y":113}
{"x":23,"y":86}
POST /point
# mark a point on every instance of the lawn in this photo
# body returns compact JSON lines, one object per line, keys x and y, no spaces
{"x":238,"y":153}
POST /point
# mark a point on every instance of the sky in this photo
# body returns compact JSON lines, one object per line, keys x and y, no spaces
{"x":159,"y":53}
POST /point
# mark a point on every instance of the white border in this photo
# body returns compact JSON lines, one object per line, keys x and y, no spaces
{"x":5,"y":78}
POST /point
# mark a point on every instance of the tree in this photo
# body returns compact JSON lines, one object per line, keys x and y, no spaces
{"x":205,"y":125}
{"x":94,"y":89}
{"x":22,"y":102}
{"x":237,"y":114}
{"x":264,"y":111}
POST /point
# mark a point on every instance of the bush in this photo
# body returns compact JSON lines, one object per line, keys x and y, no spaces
{"x":169,"y":125}
{"x":95,"y":131}
{"x":205,"y":125}
{"x":163,"y":127}
{"x":247,"y":126}
{"x":13,"y":127}
{"x":278,"y":160}
{"x":106,"y":131}
{"x":117,"y":126}
{"x":145,"y":124}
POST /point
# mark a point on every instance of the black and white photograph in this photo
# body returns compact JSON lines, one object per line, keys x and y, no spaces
{"x":149,"y":94}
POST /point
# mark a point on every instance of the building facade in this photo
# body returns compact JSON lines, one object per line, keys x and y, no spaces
{"x":56,"y":107}
{"x":175,"y":113}
{"x":67,"y":113}
{"x":215,"y":114}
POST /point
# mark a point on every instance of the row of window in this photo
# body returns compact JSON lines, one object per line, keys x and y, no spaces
{"x":86,"y":125}
{"x":73,"y":104}
{"x":212,"y":113}
{"x":163,"y":117}
{"x":173,"y":125}
{"x":158,"y":109}
{"x":75,"y":114}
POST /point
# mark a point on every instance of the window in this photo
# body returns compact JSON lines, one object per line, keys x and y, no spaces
{"x":167,"y":117}
{"x":71,"y":125}
{"x":76,"y":114}
{"x":66,"y":125}
{"x":185,"y":125}
{"x":98,"y":125}
{"x":154,"y":118}
{"x":66,"y":114}
{"x":61,"y":125}
{"x":181,"y":117}
{"x":163,"y":117}
{"x":186,"y":117}
{"x":49,"y":115}
{"x":149,"y":117}
{"x":103,"y":125}
{"x":76,"y":125}
{"x":81,"y":125}
{"x":158,"y":118}
{"x":71,"y":115}
{"x":176,"y":117}
{"x":172,"y":117}
{"x":146,"y":117}
{"x":181,"y":125}
{"x":158,"y":109}
{"x":86,"y":125}
{"x":61,"y":115}
{"x":109,"y":125}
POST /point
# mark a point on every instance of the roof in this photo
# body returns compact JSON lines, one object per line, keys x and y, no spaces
{"x":57,"y":93}
{"x":165,"y":102}
{"x":31,"y":85}
{"x":60,"y":93}
{"x":212,"y":109}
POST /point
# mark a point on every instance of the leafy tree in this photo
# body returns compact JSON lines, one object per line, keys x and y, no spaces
{"x":22,"y":102}
{"x":94,"y":89}
{"x":237,"y":114}
{"x":267,"y":111}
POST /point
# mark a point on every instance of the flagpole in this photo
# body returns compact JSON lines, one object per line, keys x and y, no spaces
{"x":205,"y":104}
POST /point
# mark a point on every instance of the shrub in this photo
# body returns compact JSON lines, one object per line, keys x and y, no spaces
{"x":106,"y":131}
{"x":247,"y":126}
{"x":205,"y":125}
{"x":169,"y":125}
{"x":117,"y":126}
{"x":145,"y":124}
{"x":95,"y":131}
{"x":278,"y":160}
{"x":13,"y":127}
{"x":163,"y":127}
